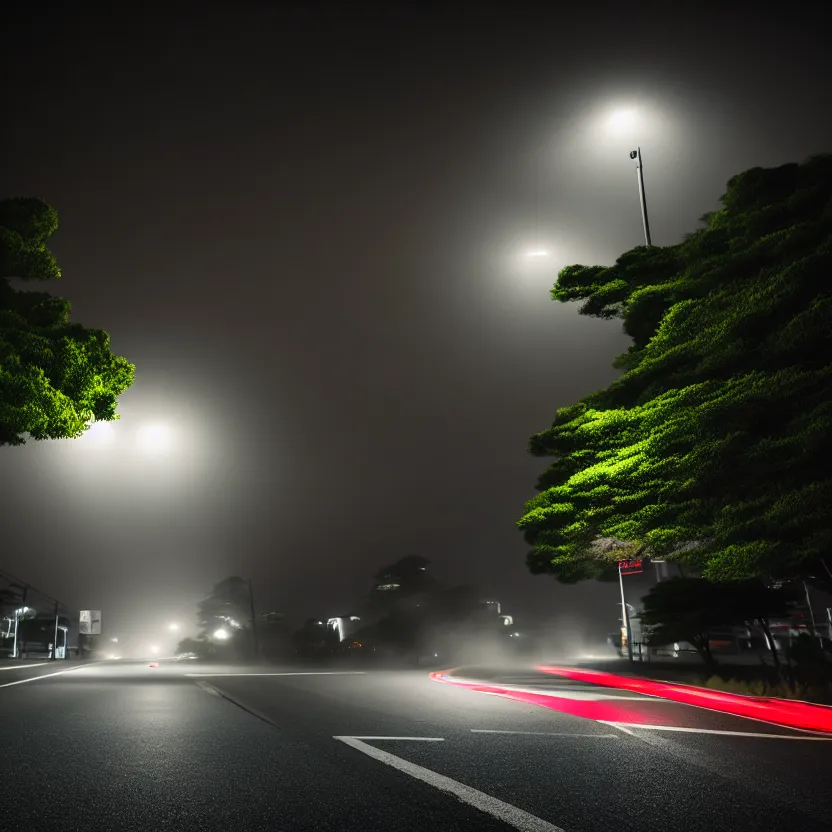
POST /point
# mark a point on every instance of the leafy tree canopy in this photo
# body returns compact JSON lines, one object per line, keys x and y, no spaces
{"x":227,"y":607}
{"x":55,"y":377}
{"x":710,"y":447}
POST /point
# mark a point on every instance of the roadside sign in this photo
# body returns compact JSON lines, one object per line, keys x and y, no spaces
{"x":90,"y":622}
{"x":630,"y":567}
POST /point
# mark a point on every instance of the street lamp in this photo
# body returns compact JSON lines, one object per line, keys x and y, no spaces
{"x":636,"y":155}
{"x":173,"y":627}
{"x":221,"y":634}
{"x":154,"y":438}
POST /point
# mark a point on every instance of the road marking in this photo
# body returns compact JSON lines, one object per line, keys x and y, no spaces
{"x":208,"y":688}
{"x":423,"y":739}
{"x":42,"y":676}
{"x":505,"y":812}
{"x":302,"y":673}
{"x":623,"y":725}
{"x":542,"y":733}
{"x":24,"y":666}
{"x":622,"y":728}
{"x":589,"y":695}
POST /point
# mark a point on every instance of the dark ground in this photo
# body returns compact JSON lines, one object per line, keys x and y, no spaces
{"x":128,"y":747}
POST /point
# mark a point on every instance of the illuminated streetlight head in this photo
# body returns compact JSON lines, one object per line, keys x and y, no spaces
{"x":221,"y":634}
{"x":154,"y":651}
{"x":537,"y":252}
{"x":154,"y":438}
{"x":623,"y":119}
{"x":173,"y":627}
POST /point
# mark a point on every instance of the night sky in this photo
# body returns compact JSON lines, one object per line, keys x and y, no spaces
{"x":306,"y":228}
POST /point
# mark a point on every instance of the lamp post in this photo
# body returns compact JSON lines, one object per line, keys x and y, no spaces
{"x":625,"y":615}
{"x":636,"y":154}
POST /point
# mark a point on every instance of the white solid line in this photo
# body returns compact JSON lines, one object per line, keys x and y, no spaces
{"x":542,"y":733}
{"x":24,"y":666}
{"x":505,"y":812}
{"x":422,"y":739}
{"x":582,"y":695}
{"x":303,"y":673}
{"x":621,"y":728}
{"x":42,"y":676}
{"x":623,"y":725}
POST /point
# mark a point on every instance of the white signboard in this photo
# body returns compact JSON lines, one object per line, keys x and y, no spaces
{"x":90,"y":621}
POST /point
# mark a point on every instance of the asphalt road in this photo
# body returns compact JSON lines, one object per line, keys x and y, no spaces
{"x":125,"y":746}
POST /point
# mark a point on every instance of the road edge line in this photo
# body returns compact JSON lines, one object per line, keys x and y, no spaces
{"x":482,"y":802}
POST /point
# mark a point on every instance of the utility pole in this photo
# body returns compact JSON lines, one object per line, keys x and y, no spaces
{"x":636,"y":154}
{"x":16,"y":646}
{"x":55,"y":638}
{"x":625,"y":616}
{"x":253,"y":620}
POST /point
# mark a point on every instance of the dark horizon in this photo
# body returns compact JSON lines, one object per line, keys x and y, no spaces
{"x":306,"y":231}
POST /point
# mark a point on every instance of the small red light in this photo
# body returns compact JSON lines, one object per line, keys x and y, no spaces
{"x":154,"y":664}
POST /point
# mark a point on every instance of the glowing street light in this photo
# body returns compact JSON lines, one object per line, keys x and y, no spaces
{"x":155,"y":438}
{"x":221,"y":634}
{"x":622,"y":120}
{"x":154,"y":651}
{"x":537,"y":252}
{"x":173,"y":627}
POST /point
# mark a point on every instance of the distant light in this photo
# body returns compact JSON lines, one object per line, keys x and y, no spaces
{"x":154,"y":651}
{"x":537,"y":252}
{"x":114,"y":640}
{"x":173,"y":627}
{"x":221,"y":634}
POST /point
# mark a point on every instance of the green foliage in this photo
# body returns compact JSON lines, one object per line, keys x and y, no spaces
{"x":710,"y":449}
{"x":55,"y":376}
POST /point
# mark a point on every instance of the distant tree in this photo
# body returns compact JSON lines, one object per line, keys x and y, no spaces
{"x":227,"y":608}
{"x":55,"y":377}
{"x":198,"y":646}
{"x":407,"y":576}
{"x":710,"y":449}
{"x":689,"y":609}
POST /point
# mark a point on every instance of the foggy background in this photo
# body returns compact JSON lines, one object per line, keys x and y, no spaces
{"x":306,"y":228}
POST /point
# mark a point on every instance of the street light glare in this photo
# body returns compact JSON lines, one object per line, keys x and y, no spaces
{"x":537,"y":252}
{"x":622,"y":119}
{"x":173,"y":627}
{"x":100,"y":433}
{"x":221,"y":634}
{"x":154,"y":438}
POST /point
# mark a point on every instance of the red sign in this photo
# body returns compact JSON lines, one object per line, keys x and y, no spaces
{"x":630,"y":567}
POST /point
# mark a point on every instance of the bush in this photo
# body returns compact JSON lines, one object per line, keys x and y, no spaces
{"x":820,"y":693}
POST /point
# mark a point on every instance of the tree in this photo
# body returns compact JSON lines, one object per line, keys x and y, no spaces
{"x":228,"y":607}
{"x":689,"y":609}
{"x":710,"y":449}
{"x":55,"y":377}
{"x":405,"y":578}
